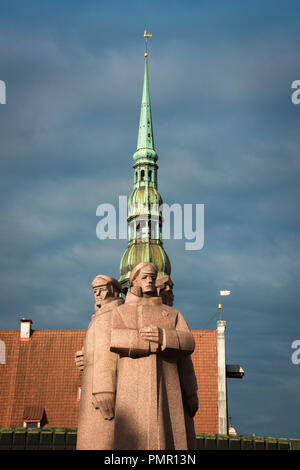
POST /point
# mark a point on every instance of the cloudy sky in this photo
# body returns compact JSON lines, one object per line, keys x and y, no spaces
{"x":227,"y":136}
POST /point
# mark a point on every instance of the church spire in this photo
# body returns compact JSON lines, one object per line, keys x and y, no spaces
{"x":145,"y":141}
{"x":144,"y":204}
{"x":145,"y":134}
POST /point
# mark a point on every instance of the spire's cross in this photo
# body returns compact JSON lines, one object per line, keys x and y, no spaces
{"x":146,"y":36}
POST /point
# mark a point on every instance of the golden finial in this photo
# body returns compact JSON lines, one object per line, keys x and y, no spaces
{"x":146,"y":36}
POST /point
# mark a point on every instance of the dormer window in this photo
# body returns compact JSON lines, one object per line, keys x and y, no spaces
{"x":33,"y":416}
{"x":31,"y":424}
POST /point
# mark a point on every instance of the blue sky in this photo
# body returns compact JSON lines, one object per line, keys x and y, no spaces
{"x":227,"y":136}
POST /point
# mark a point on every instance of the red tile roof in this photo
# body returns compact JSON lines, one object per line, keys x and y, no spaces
{"x":41,"y":372}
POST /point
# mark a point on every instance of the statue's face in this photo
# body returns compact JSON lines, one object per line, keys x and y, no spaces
{"x":101,"y":292}
{"x":146,"y":281}
{"x":167,"y":295}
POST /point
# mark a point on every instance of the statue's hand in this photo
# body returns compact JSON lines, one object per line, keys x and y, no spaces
{"x":79,"y":360}
{"x":192,"y":405}
{"x":105,"y":402}
{"x":152,"y":333}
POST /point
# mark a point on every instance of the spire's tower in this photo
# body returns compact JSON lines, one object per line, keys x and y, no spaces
{"x":144,"y":216}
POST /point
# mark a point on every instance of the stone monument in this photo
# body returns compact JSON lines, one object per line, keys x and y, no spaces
{"x":186,"y":370}
{"x":99,"y":364}
{"x":149,"y":338}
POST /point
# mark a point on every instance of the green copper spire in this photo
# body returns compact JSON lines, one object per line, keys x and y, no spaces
{"x":144,"y":204}
{"x":145,"y":135}
{"x":145,"y":141}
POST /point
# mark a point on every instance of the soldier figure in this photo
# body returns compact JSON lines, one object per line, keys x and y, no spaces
{"x":186,"y":369}
{"x":99,"y":365}
{"x":150,"y":338}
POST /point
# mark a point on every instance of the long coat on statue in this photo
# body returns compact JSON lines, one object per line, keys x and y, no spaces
{"x":99,"y":375}
{"x":149,"y":411}
{"x":189,"y":388}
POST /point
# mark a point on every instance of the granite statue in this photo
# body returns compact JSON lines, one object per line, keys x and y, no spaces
{"x":99,"y":365}
{"x":186,"y":369}
{"x":150,"y":338}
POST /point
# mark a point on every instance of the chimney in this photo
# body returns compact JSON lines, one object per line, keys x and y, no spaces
{"x":25,"y":329}
{"x":222,"y":389}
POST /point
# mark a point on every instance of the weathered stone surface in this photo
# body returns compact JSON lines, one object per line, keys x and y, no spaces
{"x":150,"y":338}
{"x":139,"y":389}
{"x":186,"y":370}
{"x":96,"y":412}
